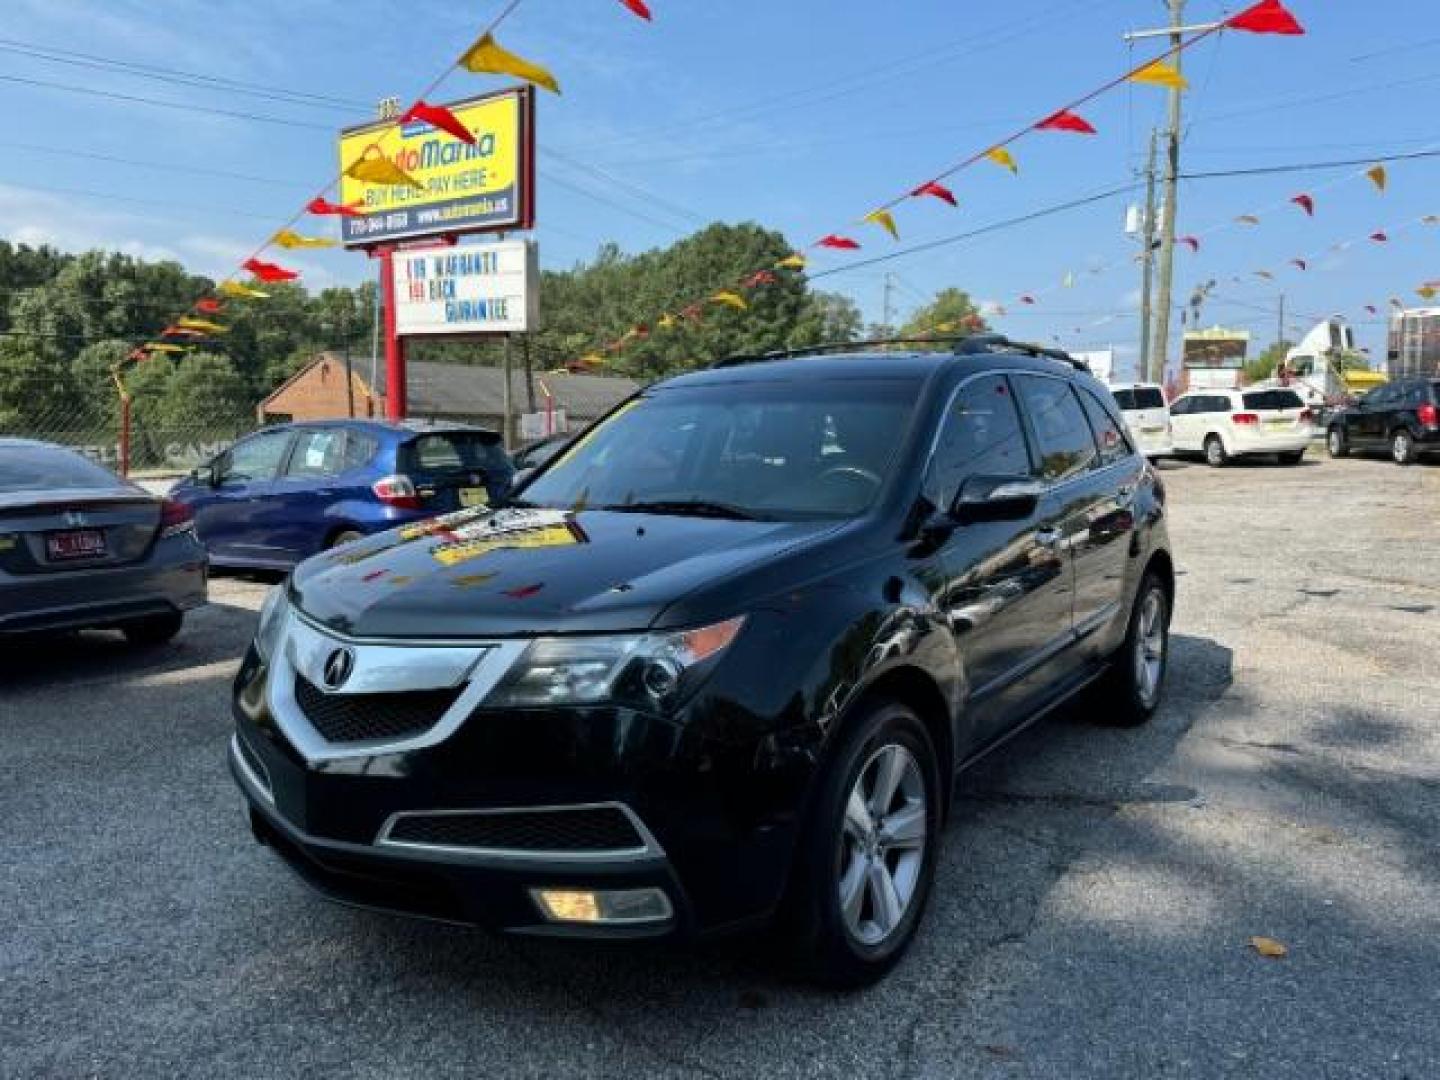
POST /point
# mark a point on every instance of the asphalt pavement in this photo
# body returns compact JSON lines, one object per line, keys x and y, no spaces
{"x":1093,"y":915}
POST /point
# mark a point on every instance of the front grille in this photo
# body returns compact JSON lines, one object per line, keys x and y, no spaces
{"x":578,"y":829}
{"x":254,"y":764}
{"x":345,"y":718}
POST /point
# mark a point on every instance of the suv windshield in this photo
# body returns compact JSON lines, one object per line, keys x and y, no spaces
{"x":765,"y":450}
{"x":1141,"y":397}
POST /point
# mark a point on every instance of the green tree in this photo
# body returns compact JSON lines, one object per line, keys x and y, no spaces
{"x":952,"y":308}
{"x":1264,"y":365}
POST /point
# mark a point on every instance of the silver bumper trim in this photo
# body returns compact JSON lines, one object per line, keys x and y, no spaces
{"x":649,"y":849}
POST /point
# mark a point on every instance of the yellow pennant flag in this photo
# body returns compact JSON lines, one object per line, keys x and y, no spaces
{"x":1161,"y":74}
{"x":204,"y":326}
{"x":795,"y":261}
{"x":375,"y":168}
{"x":236,"y":291}
{"x":886,"y":220}
{"x":162,"y":347}
{"x":944,"y":327}
{"x":1001,"y":156}
{"x":1427,"y":292}
{"x":734,"y":300}
{"x":1378,"y":176}
{"x":288,"y":238}
{"x":667,"y":321}
{"x":487,"y":56}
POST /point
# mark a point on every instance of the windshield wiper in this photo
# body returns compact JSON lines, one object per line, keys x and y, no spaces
{"x":686,"y":508}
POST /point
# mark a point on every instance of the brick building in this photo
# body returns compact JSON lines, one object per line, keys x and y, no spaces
{"x":457,"y":392}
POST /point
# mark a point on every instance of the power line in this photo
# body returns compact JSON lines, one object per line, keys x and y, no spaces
{"x":136,"y":99}
{"x":168,"y":204}
{"x":181,"y":78}
{"x":1306,"y":166}
{"x":166,"y":167}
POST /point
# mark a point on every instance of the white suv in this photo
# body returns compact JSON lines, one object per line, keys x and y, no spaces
{"x":1223,"y":424}
{"x":1146,"y":415}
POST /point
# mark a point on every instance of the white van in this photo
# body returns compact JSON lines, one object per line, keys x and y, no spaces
{"x":1223,"y":424}
{"x":1146,"y":415}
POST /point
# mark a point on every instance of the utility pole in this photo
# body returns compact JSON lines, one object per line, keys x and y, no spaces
{"x":886,"y":306}
{"x":1280,"y":322}
{"x":1172,"y":190}
{"x":1147,"y":258}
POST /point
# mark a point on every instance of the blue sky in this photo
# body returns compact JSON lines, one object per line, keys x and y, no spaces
{"x":801,"y":115}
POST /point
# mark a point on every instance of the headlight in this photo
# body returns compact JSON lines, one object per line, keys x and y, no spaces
{"x":644,"y":670}
{"x":272,"y":621}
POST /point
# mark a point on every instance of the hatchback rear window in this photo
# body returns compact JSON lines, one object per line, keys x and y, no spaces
{"x":1273,"y":399}
{"x":1141,"y":397}
{"x":50,"y":468}
{"x":454,"y":451}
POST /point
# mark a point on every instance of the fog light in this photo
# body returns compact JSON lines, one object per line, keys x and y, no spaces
{"x":608,"y":906}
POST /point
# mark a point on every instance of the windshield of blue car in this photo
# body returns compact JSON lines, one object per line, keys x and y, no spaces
{"x":49,"y":468}
{"x":769,"y":450}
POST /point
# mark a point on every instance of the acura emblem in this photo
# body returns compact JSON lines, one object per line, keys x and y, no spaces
{"x":338,"y":666}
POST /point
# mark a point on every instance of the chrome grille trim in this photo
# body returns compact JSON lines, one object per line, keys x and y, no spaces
{"x":259,"y":778}
{"x":380,"y":667}
{"x":650,"y":847}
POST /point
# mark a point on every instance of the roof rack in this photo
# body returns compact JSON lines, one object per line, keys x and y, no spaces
{"x":965,"y":345}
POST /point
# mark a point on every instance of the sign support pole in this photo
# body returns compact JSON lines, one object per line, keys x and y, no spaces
{"x":509,"y":398}
{"x":395,"y":398}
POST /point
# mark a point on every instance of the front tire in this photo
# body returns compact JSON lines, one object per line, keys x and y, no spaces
{"x":153,"y":629}
{"x":1402,"y":448}
{"x":1131,"y":691}
{"x":1336,"y":443}
{"x":1215,"y":455}
{"x":867,"y":861}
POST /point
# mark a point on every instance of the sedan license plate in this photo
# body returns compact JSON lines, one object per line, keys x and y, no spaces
{"x":474,"y":496}
{"x":1279,"y":425}
{"x":80,"y":544}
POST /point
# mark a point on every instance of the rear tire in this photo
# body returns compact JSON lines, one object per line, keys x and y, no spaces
{"x":1130,"y":692}
{"x":1294,"y":457}
{"x":1402,"y":447}
{"x":1215,"y":455}
{"x":866,"y":861}
{"x":153,"y":629}
{"x":1336,"y":443}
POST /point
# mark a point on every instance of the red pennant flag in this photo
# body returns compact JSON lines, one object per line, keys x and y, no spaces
{"x":1266,"y":17}
{"x":938,"y":190}
{"x":1306,"y":203}
{"x":208,"y":306}
{"x":438,"y":116}
{"x":1372,"y":309}
{"x":638,"y":7}
{"x":1192,"y":241}
{"x":1027,"y":299}
{"x":1301,"y":263}
{"x":760,"y":277}
{"x":1065,"y":120}
{"x":840,"y":243}
{"x":1379,"y":237}
{"x":269,"y":271}
{"x":323,"y":206}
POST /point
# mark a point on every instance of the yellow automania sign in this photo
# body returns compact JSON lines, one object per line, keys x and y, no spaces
{"x":463,"y":187}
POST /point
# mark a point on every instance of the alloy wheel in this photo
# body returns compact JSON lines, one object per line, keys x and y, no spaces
{"x":882,"y":845}
{"x":1400,"y":447}
{"x":1150,"y":648}
{"x":1337,"y":445}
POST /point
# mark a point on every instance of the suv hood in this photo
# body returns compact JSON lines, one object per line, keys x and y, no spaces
{"x":481,"y":572}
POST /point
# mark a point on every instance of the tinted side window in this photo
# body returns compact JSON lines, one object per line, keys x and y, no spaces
{"x":981,"y":436}
{"x":359,"y":449}
{"x":1065,"y":445}
{"x":1148,"y":397}
{"x":1126,"y":399}
{"x":317,"y":454}
{"x":1182,"y":407}
{"x":257,"y":458}
{"x":1108,"y":435}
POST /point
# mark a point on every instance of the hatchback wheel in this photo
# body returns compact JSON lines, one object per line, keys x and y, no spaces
{"x":1402,"y":448}
{"x":865,"y":868}
{"x":1130,"y":691}
{"x":348,"y":536}
{"x":1336,"y":444}
{"x":1215,"y":455}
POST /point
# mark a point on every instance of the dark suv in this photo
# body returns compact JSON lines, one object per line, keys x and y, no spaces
{"x":1401,"y":418}
{"x":719,"y":662}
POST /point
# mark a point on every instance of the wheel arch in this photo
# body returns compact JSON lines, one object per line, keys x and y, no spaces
{"x":1163,"y":567}
{"x":915,"y":689}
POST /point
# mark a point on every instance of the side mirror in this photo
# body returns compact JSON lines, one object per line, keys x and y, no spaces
{"x":996,"y":498}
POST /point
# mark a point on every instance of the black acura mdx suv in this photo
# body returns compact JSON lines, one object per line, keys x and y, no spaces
{"x":719,"y":662}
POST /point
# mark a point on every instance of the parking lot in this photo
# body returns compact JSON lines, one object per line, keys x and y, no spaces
{"x":1097,"y":892}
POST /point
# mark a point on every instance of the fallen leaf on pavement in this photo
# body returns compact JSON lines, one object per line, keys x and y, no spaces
{"x":1268,"y":947}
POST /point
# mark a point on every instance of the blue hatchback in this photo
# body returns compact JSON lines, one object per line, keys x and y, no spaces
{"x":282,"y":494}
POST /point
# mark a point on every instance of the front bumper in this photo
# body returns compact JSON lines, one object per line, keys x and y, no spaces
{"x":172,"y":578}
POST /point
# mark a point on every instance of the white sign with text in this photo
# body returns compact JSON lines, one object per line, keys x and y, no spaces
{"x":468,"y":289}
